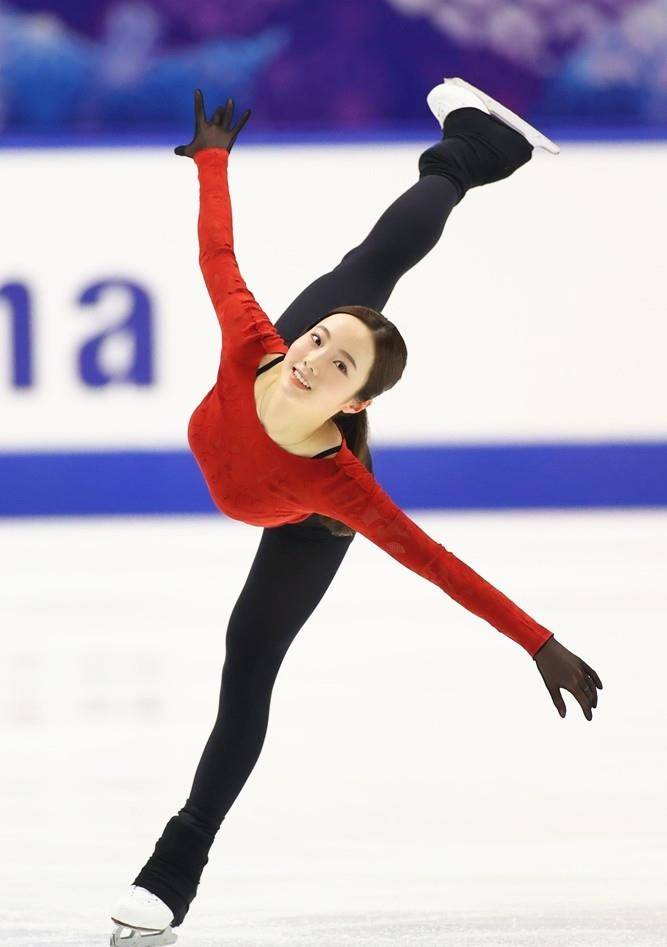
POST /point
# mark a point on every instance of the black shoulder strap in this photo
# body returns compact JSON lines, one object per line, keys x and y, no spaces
{"x":269,"y":365}
{"x":325,"y":453}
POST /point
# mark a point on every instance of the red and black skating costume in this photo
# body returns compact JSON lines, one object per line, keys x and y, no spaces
{"x":252,"y":479}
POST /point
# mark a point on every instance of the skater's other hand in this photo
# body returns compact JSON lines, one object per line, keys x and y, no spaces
{"x":218,"y":133}
{"x":560,"y":668}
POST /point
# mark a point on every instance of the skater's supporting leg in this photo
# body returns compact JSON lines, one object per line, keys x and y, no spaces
{"x":293,"y":567}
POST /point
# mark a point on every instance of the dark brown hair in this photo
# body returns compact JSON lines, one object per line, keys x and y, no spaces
{"x":391,"y":355}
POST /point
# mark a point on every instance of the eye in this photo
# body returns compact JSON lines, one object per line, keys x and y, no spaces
{"x":314,"y":335}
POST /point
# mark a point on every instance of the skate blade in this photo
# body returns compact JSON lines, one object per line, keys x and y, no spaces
{"x":139,"y":938}
{"x":532,"y":135}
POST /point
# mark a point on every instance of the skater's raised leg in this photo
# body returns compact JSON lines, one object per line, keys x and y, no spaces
{"x":476,"y":148}
{"x":366,"y":276}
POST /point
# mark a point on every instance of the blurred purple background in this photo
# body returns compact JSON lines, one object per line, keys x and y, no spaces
{"x":119,"y":66}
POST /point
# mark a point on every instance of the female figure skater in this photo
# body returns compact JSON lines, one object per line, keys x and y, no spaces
{"x":281,"y":442}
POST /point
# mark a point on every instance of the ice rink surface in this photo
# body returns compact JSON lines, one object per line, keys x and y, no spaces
{"x":417,"y":785}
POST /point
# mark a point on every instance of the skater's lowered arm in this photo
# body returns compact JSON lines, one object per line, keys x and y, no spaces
{"x":353,"y":496}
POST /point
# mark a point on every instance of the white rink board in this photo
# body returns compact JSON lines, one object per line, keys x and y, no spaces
{"x":539,"y":315}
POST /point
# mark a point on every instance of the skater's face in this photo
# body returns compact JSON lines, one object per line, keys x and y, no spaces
{"x":336,"y":357}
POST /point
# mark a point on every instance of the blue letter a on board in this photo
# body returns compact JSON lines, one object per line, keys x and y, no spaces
{"x":123,"y":353}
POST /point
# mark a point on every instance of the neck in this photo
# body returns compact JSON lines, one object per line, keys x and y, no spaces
{"x":288,"y":423}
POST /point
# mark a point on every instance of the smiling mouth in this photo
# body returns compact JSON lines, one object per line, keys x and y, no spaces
{"x":298,"y":380}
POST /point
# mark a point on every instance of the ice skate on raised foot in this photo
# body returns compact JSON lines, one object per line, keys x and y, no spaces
{"x":143,"y":921}
{"x":453,"y":94}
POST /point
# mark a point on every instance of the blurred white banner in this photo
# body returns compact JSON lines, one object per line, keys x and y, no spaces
{"x":539,"y":315}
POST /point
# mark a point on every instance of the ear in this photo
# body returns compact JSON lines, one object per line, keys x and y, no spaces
{"x":354,"y":407}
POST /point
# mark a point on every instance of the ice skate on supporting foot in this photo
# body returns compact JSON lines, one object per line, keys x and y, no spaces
{"x":132,"y":937}
{"x":143,"y":920}
{"x":457,"y":93}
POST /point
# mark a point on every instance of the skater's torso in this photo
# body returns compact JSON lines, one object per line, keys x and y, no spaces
{"x":327,"y":439}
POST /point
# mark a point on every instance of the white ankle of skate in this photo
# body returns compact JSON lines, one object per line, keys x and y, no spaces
{"x":456,"y":93}
{"x":448,"y":96}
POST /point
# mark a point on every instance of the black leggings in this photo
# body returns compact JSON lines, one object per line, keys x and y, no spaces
{"x":294,"y":565}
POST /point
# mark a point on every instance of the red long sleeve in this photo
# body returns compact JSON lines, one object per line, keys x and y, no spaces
{"x":239,"y":315}
{"x":362,"y":504}
{"x":253,"y":479}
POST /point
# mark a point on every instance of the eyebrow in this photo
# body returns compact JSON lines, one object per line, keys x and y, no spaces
{"x":342,"y":351}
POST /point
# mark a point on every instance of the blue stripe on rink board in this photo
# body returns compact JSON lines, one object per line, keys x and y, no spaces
{"x":435,"y":477}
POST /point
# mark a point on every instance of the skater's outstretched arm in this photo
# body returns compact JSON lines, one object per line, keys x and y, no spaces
{"x":235,"y":306}
{"x":353,"y":496}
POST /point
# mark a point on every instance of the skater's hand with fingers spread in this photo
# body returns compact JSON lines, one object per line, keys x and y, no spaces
{"x":218,"y":133}
{"x":560,"y":668}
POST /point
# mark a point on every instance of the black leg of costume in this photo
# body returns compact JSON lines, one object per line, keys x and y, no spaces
{"x":294,"y":565}
{"x":366,"y":276}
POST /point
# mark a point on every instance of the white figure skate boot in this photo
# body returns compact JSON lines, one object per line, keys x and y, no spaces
{"x":143,"y":920}
{"x":457,"y":93}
